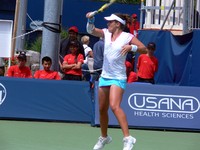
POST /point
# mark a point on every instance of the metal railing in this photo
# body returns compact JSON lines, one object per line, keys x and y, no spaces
{"x":195,"y":14}
{"x":175,"y":15}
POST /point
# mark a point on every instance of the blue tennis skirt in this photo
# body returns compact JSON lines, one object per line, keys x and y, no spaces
{"x":109,"y":82}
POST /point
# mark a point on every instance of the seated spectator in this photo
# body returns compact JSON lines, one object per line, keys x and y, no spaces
{"x":2,"y":70}
{"x":89,"y":61}
{"x":20,"y":70}
{"x":64,"y":45}
{"x":2,"y":67}
{"x":147,"y":65}
{"x":131,"y":75}
{"x":46,"y":73}
{"x":130,"y":57}
{"x":72,"y":62}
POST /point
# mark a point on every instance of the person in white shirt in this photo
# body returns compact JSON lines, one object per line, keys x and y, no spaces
{"x":89,"y":61}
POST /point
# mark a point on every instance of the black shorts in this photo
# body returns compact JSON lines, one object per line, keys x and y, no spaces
{"x":146,"y":80}
{"x":72,"y":77}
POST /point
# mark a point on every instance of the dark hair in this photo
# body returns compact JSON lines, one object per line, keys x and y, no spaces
{"x":151,"y":45}
{"x":22,"y":55}
{"x":47,"y":59}
{"x":74,"y":43}
{"x":125,"y":17}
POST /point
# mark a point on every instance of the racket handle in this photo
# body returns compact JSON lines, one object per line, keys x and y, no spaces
{"x":93,"y":13}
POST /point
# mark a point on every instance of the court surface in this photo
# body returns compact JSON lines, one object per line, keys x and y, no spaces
{"x":29,"y":135}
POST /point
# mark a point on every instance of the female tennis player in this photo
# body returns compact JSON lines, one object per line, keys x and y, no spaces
{"x":112,"y":82}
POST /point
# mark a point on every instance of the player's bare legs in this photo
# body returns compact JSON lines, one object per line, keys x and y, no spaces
{"x":103,"y":109}
{"x":116,"y":94}
{"x":103,"y":112}
{"x":115,"y":99}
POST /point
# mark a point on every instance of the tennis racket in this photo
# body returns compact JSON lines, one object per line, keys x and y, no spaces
{"x":102,"y":8}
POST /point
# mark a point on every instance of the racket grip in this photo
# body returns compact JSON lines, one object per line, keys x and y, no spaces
{"x":92,"y":14}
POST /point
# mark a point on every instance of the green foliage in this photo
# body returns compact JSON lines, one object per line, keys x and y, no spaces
{"x":37,"y":44}
{"x":63,"y":34}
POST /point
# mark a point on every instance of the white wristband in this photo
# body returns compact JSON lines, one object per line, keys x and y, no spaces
{"x":134,"y":48}
{"x":90,"y":27}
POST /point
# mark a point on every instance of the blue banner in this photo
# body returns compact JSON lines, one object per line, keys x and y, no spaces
{"x":45,"y":99}
{"x":146,"y":105}
{"x":158,"y":106}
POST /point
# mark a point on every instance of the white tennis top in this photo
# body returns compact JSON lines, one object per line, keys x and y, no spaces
{"x":114,"y":63}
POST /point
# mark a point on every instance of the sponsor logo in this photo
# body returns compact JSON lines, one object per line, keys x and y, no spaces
{"x":164,"y":103}
{"x":2,"y":93}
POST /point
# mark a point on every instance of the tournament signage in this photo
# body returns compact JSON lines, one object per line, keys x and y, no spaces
{"x":165,"y":106}
{"x":49,"y":102}
{"x":159,"y":106}
{"x":2,"y":93}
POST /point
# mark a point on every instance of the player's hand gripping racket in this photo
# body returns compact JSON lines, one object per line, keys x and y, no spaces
{"x":105,"y":6}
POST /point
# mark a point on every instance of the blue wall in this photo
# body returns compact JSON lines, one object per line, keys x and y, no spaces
{"x":178,"y":57}
{"x":7,"y":9}
{"x":45,"y":100}
{"x":74,"y":12}
{"x":146,"y":105}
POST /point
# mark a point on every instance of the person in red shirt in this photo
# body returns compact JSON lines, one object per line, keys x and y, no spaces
{"x":147,"y":64}
{"x":72,"y":62}
{"x":134,"y":26}
{"x":131,"y":75}
{"x":73,"y":34}
{"x":20,"y":70}
{"x":46,"y":73}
